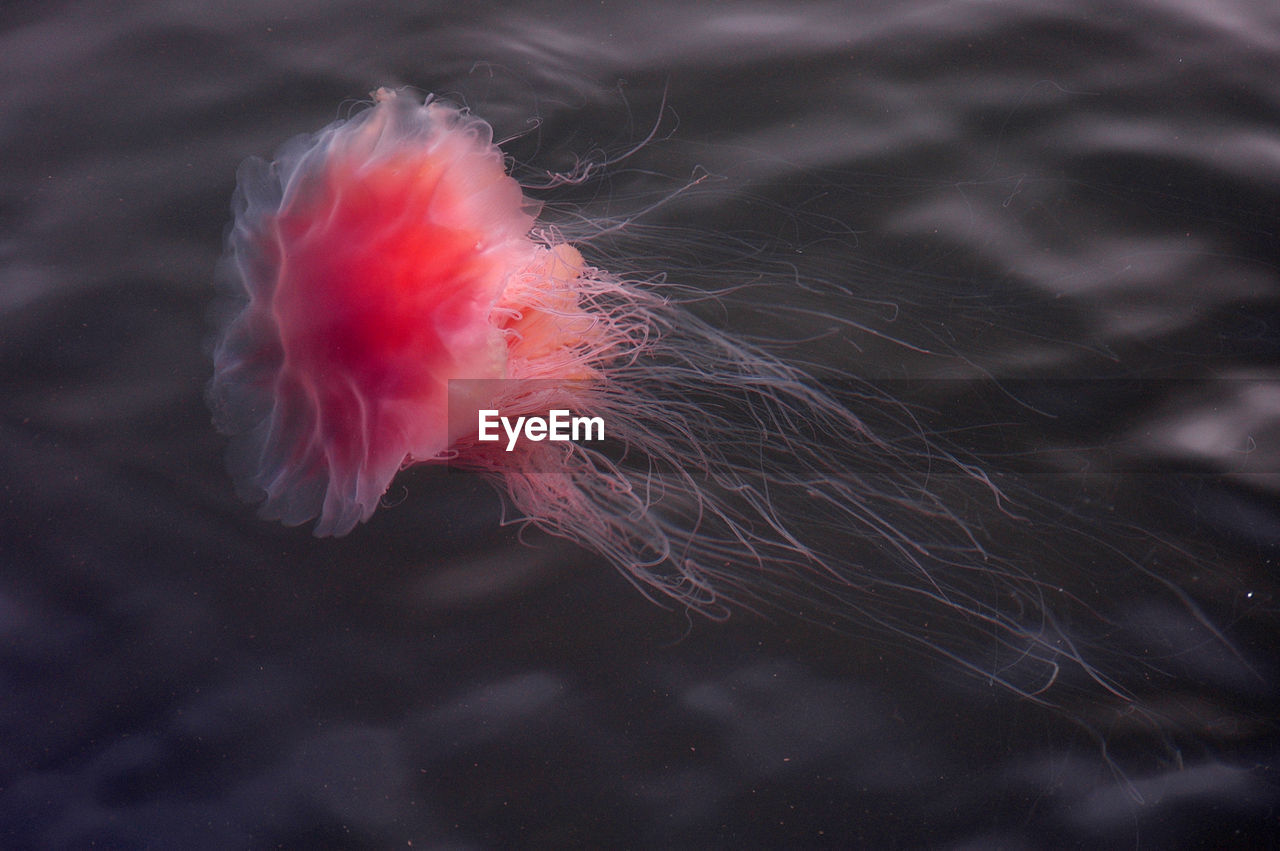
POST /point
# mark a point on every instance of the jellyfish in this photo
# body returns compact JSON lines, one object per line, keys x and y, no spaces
{"x":394,"y":286}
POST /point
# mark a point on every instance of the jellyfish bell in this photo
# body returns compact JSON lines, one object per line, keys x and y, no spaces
{"x":376,"y":261}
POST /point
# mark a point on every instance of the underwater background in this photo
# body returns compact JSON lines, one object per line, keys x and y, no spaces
{"x":1072,"y":204}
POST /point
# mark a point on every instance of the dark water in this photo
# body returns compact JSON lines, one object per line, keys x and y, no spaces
{"x":1080,"y":194}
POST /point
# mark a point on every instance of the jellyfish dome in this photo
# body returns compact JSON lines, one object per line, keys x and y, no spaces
{"x":375,"y":261}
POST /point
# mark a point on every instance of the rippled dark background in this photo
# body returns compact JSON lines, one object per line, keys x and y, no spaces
{"x":1080,"y":191}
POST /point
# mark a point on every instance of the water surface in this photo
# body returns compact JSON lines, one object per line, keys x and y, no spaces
{"x":1075,"y":199}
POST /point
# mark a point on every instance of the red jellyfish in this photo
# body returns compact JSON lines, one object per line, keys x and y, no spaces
{"x":395,"y":289}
